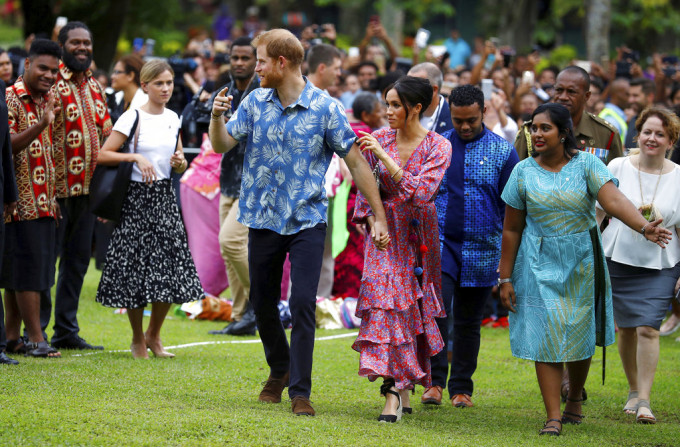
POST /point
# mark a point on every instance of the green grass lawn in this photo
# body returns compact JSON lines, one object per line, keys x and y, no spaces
{"x":207,"y":395}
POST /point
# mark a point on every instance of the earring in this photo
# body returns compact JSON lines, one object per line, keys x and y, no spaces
{"x":562,"y":140}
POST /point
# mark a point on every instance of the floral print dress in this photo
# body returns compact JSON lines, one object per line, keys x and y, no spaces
{"x":400,"y":294}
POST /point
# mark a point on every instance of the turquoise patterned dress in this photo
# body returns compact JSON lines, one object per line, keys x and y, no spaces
{"x":555,"y":273}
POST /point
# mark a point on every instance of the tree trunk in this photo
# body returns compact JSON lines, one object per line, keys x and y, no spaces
{"x":106,"y":31}
{"x":514,"y":22}
{"x":598,"y":20}
{"x":392,"y":19}
{"x":38,"y":17}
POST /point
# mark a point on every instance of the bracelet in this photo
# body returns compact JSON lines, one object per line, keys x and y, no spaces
{"x":643,"y":229}
{"x":216,"y":117}
{"x":503,"y":281}
{"x":395,"y":174}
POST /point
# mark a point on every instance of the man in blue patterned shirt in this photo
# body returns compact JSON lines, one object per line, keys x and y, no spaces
{"x":471,"y":215}
{"x":292,"y":130}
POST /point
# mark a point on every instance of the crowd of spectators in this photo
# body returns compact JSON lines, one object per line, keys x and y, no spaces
{"x":514,"y":84}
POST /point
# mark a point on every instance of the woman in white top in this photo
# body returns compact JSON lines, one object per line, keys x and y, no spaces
{"x":126,"y":82}
{"x":148,"y":259}
{"x":644,"y":276}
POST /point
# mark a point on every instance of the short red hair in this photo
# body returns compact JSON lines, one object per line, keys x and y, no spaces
{"x":281,"y":42}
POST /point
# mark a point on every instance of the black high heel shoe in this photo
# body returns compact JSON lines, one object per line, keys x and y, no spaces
{"x":385,"y":389}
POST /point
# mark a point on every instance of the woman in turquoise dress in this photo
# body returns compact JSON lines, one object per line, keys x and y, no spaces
{"x":553,"y":276}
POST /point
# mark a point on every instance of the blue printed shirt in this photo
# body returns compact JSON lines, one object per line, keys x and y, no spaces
{"x":469,"y":207}
{"x":288,"y":151}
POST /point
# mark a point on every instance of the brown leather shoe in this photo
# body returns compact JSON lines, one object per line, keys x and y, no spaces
{"x":432,"y":396}
{"x":273,"y":387}
{"x":301,"y":406}
{"x":461,"y":401}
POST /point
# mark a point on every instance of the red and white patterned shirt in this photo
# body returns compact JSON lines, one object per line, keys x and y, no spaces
{"x":33,"y":166}
{"x":79,"y":131}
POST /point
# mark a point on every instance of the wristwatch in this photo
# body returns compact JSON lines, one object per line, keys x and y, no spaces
{"x":503,"y":281}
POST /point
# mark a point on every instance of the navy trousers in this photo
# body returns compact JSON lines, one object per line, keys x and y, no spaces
{"x":465,"y":305}
{"x":266,"y":255}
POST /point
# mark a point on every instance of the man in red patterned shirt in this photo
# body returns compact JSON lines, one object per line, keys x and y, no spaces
{"x":79,"y":132}
{"x":28,"y":260}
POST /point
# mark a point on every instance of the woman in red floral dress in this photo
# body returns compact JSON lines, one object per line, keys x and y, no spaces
{"x":400,"y":294}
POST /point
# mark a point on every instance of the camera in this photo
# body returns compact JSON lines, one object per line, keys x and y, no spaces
{"x":181,"y":66}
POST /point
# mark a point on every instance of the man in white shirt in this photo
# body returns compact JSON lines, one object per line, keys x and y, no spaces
{"x":437,"y":117}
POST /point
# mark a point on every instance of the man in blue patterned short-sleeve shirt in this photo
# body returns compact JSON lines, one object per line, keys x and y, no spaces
{"x":291,"y":129}
{"x":471,"y":215}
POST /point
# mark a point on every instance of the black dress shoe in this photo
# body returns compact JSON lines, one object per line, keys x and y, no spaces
{"x":247,"y":324}
{"x":244,"y":327}
{"x":75,"y":342}
{"x":226,"y":331}
{"x":4,"y":360}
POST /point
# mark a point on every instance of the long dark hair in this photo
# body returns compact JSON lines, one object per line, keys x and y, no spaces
{"x":560,"y":117}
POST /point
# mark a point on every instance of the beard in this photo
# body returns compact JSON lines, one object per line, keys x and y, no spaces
{"x":74,"y":64}
{"x":272,"y":80}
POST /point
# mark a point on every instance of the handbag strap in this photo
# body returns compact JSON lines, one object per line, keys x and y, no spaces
{"x":137,"y":126}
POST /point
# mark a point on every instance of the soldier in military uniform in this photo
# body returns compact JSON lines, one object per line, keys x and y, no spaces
{"x":593,"y":134}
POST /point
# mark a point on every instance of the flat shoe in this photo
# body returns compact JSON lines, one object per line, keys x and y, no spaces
{"x":631,"y":403}
{"x":551,"y":430}
{"x":644,"y":417}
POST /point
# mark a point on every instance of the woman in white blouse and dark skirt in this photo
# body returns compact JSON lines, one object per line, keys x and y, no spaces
{"x":644,"y":276}
{"x":148,"y":259}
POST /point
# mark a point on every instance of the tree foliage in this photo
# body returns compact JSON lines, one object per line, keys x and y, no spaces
{"x":416,"y":11}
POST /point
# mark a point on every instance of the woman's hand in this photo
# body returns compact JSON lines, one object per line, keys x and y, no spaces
{"x":178,"y":162}
{"x":654,"y":233}
{"x":145,"y":166}
{"x":379,"y":233}
{"x":508,"y":297}
{"x":369,"y":142}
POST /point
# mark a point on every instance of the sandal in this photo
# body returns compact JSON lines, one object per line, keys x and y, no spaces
{"x":551,"y":430}
{"x":41,"y":349}
{"x":644,"y":417}
{"x":631,"y":407}
{"x":386,"y":389}
{"x":572,"y":418}
{"x":16,"y":346}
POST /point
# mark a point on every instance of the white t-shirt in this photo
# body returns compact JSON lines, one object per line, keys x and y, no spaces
{"x":629,"y":247}
{"x":157,"y":139}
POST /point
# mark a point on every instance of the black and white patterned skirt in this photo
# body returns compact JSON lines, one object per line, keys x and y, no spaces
{"x":148,"y":259}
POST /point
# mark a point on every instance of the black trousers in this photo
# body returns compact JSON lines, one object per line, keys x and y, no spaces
{"x":266,"y":255}
{"x":466,"y":306}
{"x":3,"y":334}
{"x":74,"y":248}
